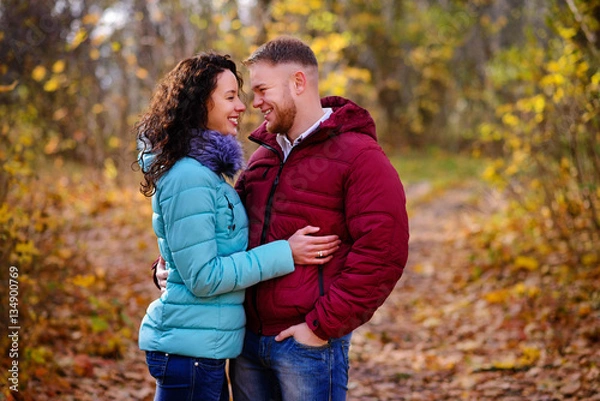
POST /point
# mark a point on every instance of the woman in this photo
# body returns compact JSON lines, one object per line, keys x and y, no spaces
{"x":188,"y":146}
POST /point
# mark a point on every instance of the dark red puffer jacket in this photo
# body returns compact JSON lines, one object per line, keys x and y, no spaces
{"x":340,"y":180}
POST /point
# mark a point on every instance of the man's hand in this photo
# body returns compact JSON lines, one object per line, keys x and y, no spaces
{"x":302,"y":334}
{"x":162,"y":274}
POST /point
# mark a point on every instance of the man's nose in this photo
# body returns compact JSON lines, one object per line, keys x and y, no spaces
{"x":256,"y":101}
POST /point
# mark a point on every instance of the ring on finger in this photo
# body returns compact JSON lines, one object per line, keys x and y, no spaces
{"x":320,"y":254}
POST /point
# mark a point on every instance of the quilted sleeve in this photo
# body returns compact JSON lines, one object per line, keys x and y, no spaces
{"x":188,"y":203}
{"x":376,"y":217}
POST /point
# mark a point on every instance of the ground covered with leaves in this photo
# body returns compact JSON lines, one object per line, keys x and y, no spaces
{"x":455,"y":328}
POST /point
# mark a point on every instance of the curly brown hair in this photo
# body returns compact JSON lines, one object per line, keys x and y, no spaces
{"x":179,"y":105}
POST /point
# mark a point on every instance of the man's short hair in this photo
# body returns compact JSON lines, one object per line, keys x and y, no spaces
{"x":282,"y":50}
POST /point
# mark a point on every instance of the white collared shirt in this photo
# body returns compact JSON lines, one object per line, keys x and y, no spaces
{"x":285,"y":143}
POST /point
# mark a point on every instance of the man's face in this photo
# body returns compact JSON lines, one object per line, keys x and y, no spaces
{"x":272,"y":95}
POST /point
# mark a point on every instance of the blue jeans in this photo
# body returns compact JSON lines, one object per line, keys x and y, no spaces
{"x":183,"y":378}
{"x":290,"y":371}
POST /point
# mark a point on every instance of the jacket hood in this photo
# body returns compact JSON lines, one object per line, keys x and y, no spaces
{"x":145,"y":155}
{"x":222,"y":154}
{"x":347,"y":116}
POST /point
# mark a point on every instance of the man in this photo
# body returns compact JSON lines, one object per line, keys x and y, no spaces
{"x":318,"y":163}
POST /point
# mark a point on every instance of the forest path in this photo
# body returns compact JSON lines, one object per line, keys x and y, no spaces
{"x":391,"y":356}
{"x":442,"y":336}
{"x":396,"y":356}
{"x":435,"y":337}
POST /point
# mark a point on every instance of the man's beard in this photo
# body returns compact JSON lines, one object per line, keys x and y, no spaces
{"x":285,"y":116}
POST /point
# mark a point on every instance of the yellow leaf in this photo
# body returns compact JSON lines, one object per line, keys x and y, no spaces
{"x":526,"y":262}
{"x":97,"y":108}
{"x":100,"y":273}
{"x":94,"y":54}
{"x":26,"y":251}
{"x":510,"y":119}
{"x":131,"y":59}
{"x":60,"y":114}
{"x":8,"y":88}
{"x":584,"y":310}
{"x":507,"y":364}
{"x":110,"y":169}
{"x":80,"y":36}
{"x":558,"y":95}
{"x":496,"y":297}
{"x":589,"y":259}
{"x":530,"y":291}
{"x":38,"y":73}
{"x":567,"y":32}
{"x":539,"y":103}
{"x":91,"y":19}
{"x":114,"y":142}
{"x":65,"y":253}
{"x":5,"y":214}
{"x":553,"y":66}
{"x":52,"y":84}
{"x":530,"y":356}
{"x":52,"y":145}
{"x":84,"y":281}
{"x":141,"y":73}
{"x":582,"y":68}
{"x":58,"y":66}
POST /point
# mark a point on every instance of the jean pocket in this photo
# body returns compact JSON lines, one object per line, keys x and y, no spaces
{"x":300,"y":345}
{"x":157,"y":364}
{"x":211,"y":364}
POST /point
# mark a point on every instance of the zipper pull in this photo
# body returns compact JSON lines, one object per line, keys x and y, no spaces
{"x":230,"y":206}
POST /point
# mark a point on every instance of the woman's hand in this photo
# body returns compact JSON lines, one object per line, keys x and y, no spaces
{"x":308,"y":249}
{"x":161,"y":274}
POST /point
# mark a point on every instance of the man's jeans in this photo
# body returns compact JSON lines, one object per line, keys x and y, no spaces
{"x":290,"y":371}
{"x":182,"y":378}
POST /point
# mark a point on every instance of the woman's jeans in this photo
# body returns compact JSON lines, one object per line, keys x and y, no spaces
{"x":183,"y":378}
{"x":290,"y":371}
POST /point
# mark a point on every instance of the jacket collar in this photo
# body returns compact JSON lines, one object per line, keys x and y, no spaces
{"x":222,"y":154}
{"x":347,"y":117}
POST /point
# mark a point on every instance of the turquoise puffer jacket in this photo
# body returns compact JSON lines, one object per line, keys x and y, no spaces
{"x":202,"y":231}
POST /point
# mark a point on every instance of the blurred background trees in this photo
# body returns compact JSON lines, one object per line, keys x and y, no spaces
{"x":504,"y":78}
{"x":514,"y":82}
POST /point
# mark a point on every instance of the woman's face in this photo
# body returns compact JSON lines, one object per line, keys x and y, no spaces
{"x":224,"y":105}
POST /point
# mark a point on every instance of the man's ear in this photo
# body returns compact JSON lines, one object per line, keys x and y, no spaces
{"x":299,"y":82}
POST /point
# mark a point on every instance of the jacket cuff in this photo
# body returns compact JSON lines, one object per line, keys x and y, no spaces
{"x":312,"y":320}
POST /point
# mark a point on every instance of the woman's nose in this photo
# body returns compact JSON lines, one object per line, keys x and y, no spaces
{"x":241,"y":107}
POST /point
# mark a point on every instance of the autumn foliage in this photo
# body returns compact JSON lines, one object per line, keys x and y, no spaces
{"x":515,"y":86}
